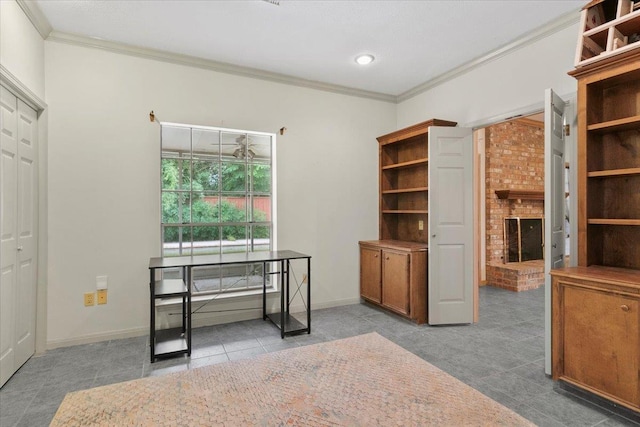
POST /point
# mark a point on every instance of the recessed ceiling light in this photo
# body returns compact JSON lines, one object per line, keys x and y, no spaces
{"x":364,"y":59}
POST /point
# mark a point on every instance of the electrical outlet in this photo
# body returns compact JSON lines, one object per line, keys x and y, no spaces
{"x":421,"y":225}
{"x":102,"y":296}
{"x":89,"y":299}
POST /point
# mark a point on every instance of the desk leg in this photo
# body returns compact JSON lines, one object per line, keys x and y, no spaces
{"x":188,"y":274}
{"x":308,"y":295}
{"x":282,"y":297}
{"x":264,"y":291}
{"x":152,"y":314}
{"x":184,"y":303}
{"x":288,"y":293}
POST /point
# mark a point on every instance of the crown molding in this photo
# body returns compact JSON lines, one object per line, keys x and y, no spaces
{"x":12,"y":83}
{"x":37,"y":18}
{"x":552,"y":27}
{"x":41,"y":23}
{"x":222,"y":67}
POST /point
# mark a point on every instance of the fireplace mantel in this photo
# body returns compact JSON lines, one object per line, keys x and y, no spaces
{"x":520,"y":194}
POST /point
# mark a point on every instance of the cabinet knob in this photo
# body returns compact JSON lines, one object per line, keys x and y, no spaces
{"x":387,"y":258}
{"x":625,"y":307}
{"x":433,"y":235}
{"x":19,"y":248}
{"x":375,"y":256}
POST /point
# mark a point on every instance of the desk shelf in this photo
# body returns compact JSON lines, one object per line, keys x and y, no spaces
{"x":171,"y":341}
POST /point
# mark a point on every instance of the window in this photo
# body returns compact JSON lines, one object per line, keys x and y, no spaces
{"x":217,"y":197}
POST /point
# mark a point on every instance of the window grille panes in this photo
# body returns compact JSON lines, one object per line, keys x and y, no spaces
{"x":217,"y":197}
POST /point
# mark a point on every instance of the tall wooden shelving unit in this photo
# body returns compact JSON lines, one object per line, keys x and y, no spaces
{"x":596,"y":306}
{"x":393,"y":269}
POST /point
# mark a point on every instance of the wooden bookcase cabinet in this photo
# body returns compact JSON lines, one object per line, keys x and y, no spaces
{"x":595,"y":305}
{"x":607,"y":28}
{"x":393,"y":275}
{"x":403,"y":221}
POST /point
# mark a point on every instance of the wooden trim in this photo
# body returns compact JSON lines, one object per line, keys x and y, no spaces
{"x":609,"y":221}
{"x":530,"y":122}
{"x":513,"y":194}
{"x":614,"y":172}
{"x":411,"y":131}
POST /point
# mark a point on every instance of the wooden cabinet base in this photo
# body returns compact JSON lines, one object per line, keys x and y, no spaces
{"x":596,"y":331}
{"x":393,"y":275}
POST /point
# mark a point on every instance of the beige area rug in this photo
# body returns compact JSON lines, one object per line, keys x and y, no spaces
{"x":361,"y":381}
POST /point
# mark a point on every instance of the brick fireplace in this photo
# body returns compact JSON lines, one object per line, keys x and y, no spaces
{"x":514,"y":189}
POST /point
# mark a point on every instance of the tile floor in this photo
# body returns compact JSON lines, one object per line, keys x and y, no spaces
{"x":502,"y":356}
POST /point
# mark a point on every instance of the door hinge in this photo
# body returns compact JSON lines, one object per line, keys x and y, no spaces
{"x":567,"y":130}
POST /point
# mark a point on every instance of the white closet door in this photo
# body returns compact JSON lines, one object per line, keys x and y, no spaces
{"x":18,"y":233}
{"x":27,"y":232}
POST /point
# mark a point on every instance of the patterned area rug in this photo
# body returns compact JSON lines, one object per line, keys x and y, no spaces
{"x":360,"y":381}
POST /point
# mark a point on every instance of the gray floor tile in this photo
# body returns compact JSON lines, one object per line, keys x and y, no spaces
{"x":567,"y":410}
{"x":233,"y":346}
{"x":37,"y":419}
{"x":515,"y":386}
{"x":209,"y":360}
{"x":502,"y":356}
{"x":246,"y":353}
{"x":535,"y":416}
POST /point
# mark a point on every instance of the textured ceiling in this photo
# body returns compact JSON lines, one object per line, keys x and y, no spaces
{"x":413,"y":41}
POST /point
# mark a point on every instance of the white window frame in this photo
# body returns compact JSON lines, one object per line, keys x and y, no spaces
{"x":226,"y":286}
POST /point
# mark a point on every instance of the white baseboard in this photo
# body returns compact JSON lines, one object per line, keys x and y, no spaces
{"x":214,"y":319}
{"x":98,"y":337}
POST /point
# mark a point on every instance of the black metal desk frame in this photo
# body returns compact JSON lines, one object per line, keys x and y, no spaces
{"x":287,"y":324}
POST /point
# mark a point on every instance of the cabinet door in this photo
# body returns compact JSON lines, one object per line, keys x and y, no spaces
{"x":601,"y":341}
{"x":395,"y":281}
{"x":370,"y":274}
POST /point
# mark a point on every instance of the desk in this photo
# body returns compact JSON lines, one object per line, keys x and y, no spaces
{"x":180,"y":338}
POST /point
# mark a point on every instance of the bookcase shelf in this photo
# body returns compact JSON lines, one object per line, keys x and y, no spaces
{"x":406,"y":190}
{"x":411,"y":163}
{"x":596,"y":327}
{"x":393,"y":269}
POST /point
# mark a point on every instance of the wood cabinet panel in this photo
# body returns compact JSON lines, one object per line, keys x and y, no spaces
{"x":401,"y":271}
{"x":601,"y":353}
{"x":596,"y":331}
{"x":395,"y":277}
{"x":370,"y":274}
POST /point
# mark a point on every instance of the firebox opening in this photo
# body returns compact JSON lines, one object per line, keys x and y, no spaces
{"x":524,"y":239}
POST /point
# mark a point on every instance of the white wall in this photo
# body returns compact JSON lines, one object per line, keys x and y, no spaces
{"x":505,"y":85}
{"x":21,"y":47}
{"x":104,"y":171}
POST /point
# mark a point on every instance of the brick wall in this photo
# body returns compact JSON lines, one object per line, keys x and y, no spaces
{"x":514,"y":159}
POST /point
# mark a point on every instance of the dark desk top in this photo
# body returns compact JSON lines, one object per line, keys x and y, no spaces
{"x":222,"y":259}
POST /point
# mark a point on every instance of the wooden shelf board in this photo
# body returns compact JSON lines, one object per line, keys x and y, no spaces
{"x":628,"y":123}
{"x":614,"y":172}
{"x":513,"y":194}
{"x":405,"y":211}
{"x":406,"y":164}
{"x":609,"y":221}
{"x":406,"y":190}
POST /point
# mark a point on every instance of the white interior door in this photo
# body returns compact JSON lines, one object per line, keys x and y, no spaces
{"x":18,"y":233}
{"x":554,"y":201}
{"x":26,"y":233}
{"x":451,"y":268}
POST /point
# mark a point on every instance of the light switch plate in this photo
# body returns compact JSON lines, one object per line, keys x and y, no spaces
{"x":101,"y":282}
